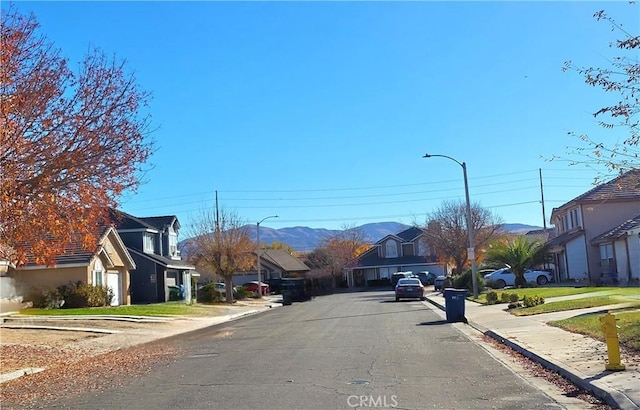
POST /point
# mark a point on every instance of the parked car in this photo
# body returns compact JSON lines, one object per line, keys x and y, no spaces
{"x":397,"y":276}
{"x":504,"y":277}
{"x":427,"y":278}
{"x":438,"y":282}
{"x":221,"y":289}
{"x":253,"y":287}
{"x":409,"y":288}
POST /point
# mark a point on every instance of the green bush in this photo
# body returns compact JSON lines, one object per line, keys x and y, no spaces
{"x":46,"y":299}
{"x":73,"y":295}
{"x":492,"y":298}
{"x":208,"y":294}
{"x":504,"y":297}
{"x":530,"y":301}
{"x":81,"y":295}
{"x":513,"y":297}
{"x":241,"y":292}
{"x":463,"y":281}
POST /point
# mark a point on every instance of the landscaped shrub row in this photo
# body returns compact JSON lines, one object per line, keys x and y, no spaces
{"x":513,"y":299}
{"x":73,"y":295}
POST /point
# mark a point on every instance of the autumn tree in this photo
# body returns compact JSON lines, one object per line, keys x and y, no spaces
{"x":519,"y":253}
{"x":336,"y":251}
{"x":622,"y":78}
{"x":282,"y":246}
{"x":446,"y":235}
{"x":70,"y":142}
{"x":220,"y":244}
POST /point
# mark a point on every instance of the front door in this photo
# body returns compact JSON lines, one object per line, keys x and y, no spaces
{"x":113,"y":283}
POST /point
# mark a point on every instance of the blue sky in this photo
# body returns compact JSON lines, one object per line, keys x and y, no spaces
{"x":320,"y":112}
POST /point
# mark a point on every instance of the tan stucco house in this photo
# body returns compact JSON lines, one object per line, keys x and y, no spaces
{"x":107,"y":265}
{"x":596,"y":234}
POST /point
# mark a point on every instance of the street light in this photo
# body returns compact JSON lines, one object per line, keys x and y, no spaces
{"x":258,"y":263}
{"x":471,"y":249}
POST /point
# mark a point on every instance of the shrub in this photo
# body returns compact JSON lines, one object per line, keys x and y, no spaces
{"x":513,"y":297}
{"x":379,"y":283}
{"x":514,"y":305}
{"x":79,"y":295}
{"x":492,"y":298}
{"x":463,"y":281}
{"x":73,"y":295}
{"x":46,"y":299}
{"x":530,"y":301}
{"x":241,"y":292}
{"x":505,"y":297}
{"x":208,"y":294}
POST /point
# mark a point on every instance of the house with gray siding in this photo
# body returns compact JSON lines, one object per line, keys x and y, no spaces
{"x":401,"y":252}
{"x":153,"y":245}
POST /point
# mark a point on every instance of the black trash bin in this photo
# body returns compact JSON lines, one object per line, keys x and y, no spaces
{"x":454,"y":304}
{"x":287,"y":297}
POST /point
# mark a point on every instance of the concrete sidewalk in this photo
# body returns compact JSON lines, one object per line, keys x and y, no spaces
{"x":579,"y":358}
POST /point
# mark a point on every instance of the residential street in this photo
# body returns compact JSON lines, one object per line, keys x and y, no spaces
{"x":354,"y":350}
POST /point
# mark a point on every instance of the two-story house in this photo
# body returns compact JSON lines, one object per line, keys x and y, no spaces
{"x":596,"y":234}
{"x":401,"y":252}
{"x":153,"y":245}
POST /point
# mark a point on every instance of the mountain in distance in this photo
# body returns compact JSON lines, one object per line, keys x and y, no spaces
{"x":302,"y":238}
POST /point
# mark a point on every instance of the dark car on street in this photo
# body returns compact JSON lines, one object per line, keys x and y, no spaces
{"x":397,"y":276}
{"x":409,"y":288}
{"x":439,"y":282}
{"x":427,"y":278}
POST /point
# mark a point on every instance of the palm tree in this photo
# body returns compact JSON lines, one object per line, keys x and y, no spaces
{"x":519,"y":253}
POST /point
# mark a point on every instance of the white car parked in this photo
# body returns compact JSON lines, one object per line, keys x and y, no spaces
{"x":504,"y":277}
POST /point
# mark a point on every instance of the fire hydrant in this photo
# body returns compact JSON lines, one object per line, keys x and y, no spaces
{"x":610,"y":329}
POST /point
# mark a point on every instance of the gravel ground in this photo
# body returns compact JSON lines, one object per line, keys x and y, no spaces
{"x":72,"y":365}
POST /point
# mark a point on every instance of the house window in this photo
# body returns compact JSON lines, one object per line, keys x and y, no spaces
{"x":173,"y":245}
{"x":391,"y":249}
{"x":97,"y":274}
{"x":148,"y":243}
{"x":606,"y":258}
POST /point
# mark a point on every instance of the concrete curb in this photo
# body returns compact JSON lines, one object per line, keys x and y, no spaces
{"x":612,"y":397}
{"x":62,"y":328}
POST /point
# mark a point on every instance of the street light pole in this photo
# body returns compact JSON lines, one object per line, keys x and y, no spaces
{"x":471,"y":249}
{"x":258,"y":252}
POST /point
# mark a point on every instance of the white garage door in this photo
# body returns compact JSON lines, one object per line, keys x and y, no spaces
{"x":113,"y":283}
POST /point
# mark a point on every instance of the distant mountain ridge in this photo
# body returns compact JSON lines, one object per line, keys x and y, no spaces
{"x":302,"y":238}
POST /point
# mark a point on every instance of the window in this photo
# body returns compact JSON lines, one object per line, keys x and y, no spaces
{"x":148,"y":243}
{"x":391,"y":249}
{"x":606,"y":258}
{"x":97,"y":273}
{"x":173,"y":245}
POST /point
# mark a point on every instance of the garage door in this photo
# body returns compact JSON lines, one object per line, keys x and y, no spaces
{"x":113,"y":283}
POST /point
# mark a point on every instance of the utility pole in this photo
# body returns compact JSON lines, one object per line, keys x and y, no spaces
{"x":544,"y":218}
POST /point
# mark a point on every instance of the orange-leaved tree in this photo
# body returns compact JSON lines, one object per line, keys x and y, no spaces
{"x":70,"y":142}
{"x":336,"y":251}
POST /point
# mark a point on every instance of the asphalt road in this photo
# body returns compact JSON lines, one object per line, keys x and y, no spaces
{"x":355,"y":350}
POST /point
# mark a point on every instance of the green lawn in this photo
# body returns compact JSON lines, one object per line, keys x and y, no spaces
{"x":628,"y":331}
{"x":159,"y":309}
{"x":561,"y":306}
{"x":552,"y":292}
{"x":628,"y":321}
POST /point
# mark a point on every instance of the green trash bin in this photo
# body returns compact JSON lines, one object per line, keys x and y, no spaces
{"x":454,"y":304}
